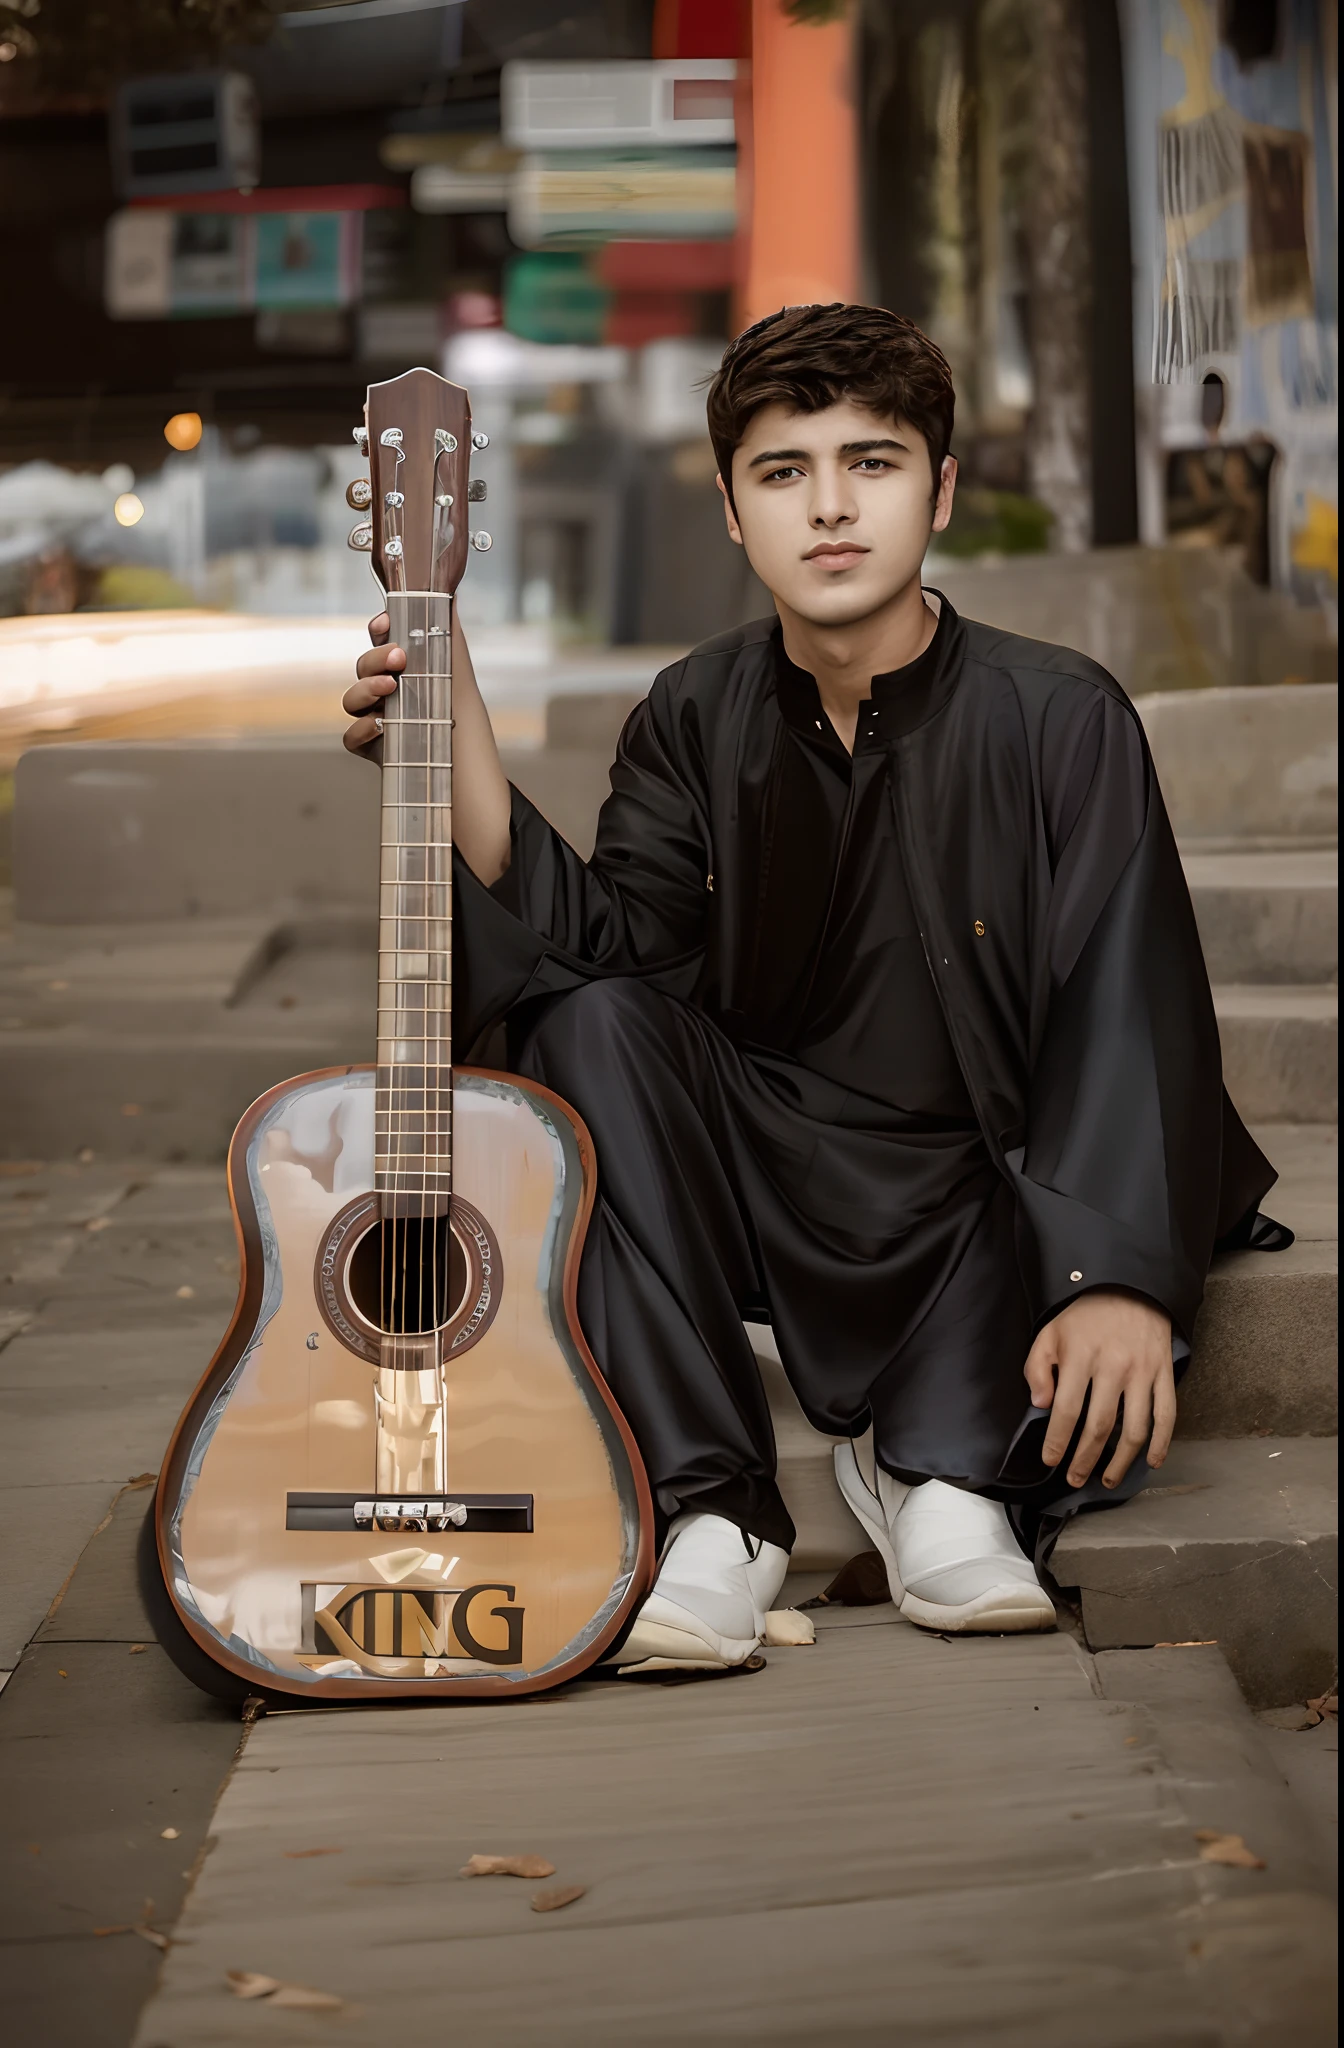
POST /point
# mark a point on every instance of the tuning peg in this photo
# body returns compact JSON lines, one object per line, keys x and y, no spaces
{"x":361,"y":439}
{"x":361,"y":537}
{"x":482,"y":543}
{"x":476,"y":491}
{"x":480,"y":440}
{"x":359,"y":493}
{"x":445,"y":443}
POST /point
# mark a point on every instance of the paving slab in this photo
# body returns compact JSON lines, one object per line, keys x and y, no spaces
{"x":102,"y":1748}
{"x":1236,"y":1542}
{"x":888,"y":1836}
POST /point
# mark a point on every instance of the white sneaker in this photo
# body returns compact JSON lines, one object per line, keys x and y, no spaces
{"x":707,"y":1609}
{"x":952,"y":1560}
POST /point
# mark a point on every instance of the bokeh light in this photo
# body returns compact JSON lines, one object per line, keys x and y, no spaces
{"x":183,"y":431}
{"x":128,"y":510}
{"x":119,"y":477}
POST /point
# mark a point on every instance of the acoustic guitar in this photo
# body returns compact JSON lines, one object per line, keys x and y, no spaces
{"x":402,"y":1475}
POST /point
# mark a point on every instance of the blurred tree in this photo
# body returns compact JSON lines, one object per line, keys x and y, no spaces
{"x":1059,"y":466}
{"x":84,"y":46}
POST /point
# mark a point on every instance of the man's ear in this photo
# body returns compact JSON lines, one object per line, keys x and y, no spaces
{"x":730,"y":517}
{"x":947,"y":484}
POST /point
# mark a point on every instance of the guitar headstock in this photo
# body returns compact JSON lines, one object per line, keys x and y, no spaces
{"x":418,"y":438}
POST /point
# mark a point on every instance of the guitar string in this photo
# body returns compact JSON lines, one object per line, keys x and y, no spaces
{"x":440,"y":707}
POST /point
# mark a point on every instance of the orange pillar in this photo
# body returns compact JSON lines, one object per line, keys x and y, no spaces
{"x":802,"y":182}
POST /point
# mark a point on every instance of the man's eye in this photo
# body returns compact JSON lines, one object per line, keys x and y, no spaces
{"x":872,"y":462}
{"x":776,"y":475}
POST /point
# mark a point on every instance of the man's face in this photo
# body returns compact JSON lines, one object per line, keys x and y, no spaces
{"x":835,"y":508}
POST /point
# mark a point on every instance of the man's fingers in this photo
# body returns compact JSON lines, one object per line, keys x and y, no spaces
{"x":362,"y":733}
{"x":1064,"y":1412}
{"x":381,"y":626}
{"x":1102,"y":1410}
{"x":1134,"y":1432}
{"x":1039,"y":1370}
{"x":380,"y":661}
{"x":1164,"y":1414}
{"x":368,"y":695}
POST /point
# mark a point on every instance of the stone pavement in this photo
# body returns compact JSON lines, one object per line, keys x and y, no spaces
{"x":889,"y":1837}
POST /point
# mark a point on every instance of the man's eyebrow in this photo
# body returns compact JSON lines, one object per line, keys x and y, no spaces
{"x":847,"y":448}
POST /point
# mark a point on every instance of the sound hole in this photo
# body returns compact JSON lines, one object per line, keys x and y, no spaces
{"x":408,"y":1275}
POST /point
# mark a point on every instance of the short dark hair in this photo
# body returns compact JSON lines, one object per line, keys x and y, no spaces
{"x":809,"y":357}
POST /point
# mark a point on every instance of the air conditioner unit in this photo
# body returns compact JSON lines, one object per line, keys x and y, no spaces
{"x":587,"y":106}
{"x":196,"y":133}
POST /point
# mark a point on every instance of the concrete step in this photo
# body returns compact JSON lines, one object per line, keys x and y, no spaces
{"x":141,"y":1096}
{"x":1280,"y":1051}
{"x":1267,"y":917}
{"x":1265,"y":1355}
{"x":1237,"y":1544}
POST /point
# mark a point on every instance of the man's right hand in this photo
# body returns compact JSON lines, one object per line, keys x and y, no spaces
{"x":481,"y":796}
{"x":377,"y":671}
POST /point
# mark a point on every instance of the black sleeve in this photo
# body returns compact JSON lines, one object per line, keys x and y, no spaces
{"x":638,"y":906}
{"x":1122,"y":1181}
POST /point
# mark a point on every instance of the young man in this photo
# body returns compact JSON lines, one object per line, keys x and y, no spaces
{"x":882,"y":997}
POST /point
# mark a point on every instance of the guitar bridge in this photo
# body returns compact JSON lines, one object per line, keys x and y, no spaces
{"x":496,"y":1514}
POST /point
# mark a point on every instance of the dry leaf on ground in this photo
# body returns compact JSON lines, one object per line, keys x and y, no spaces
{"x":786,"y":1628}
{"x":1325,"y":1703}
{"x":168,"y":1835}
{"x":152,"y":1936}
{"x":293,"y":1997}
{"x":298,"y":1855}
{"x":507,"y":1866}
{"x":251,"y":1984}
{"x":1226,"y":1849}
{"x":137,"y":1649}
{"x":140,"y":1479}
{"x":556,"y":1896}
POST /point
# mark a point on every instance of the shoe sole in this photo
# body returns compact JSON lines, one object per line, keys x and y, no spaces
{"x":1003,"y":1610}
{"x":658,"y":1644}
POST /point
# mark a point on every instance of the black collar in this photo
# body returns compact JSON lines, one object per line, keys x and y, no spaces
{"x":900,"y":700}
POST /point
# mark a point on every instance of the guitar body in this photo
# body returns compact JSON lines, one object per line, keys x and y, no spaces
{"x":257,"y":1536}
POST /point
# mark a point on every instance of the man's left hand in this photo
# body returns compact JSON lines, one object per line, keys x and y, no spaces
{"x":1120,"y":1347}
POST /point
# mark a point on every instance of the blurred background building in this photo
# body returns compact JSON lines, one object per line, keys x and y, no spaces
{"x":222,"y":220}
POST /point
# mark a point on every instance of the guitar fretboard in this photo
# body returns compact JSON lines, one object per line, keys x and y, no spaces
{"x":414,"y":1101}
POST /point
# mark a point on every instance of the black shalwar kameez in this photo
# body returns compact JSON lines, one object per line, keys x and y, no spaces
{"x":903,"y":1051}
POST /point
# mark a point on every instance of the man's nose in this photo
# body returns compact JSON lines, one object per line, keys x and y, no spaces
{"x":832,"y":499}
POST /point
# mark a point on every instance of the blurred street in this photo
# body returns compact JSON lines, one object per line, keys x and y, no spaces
{"x":225,"y":221}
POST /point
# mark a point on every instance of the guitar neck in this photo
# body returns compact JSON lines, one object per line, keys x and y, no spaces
{"x":414,"y":1104}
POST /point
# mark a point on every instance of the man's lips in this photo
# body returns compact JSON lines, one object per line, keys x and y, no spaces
{"x":832,"y":556}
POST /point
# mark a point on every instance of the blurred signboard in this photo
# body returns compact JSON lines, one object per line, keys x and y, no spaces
{"x":576,"y":195}
{"x":274,"y":251}
{"x":197,"y":133}
{"x":673,"y":103}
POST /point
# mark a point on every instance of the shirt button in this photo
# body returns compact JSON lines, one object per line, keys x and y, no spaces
{"x":1075,"y":1276}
